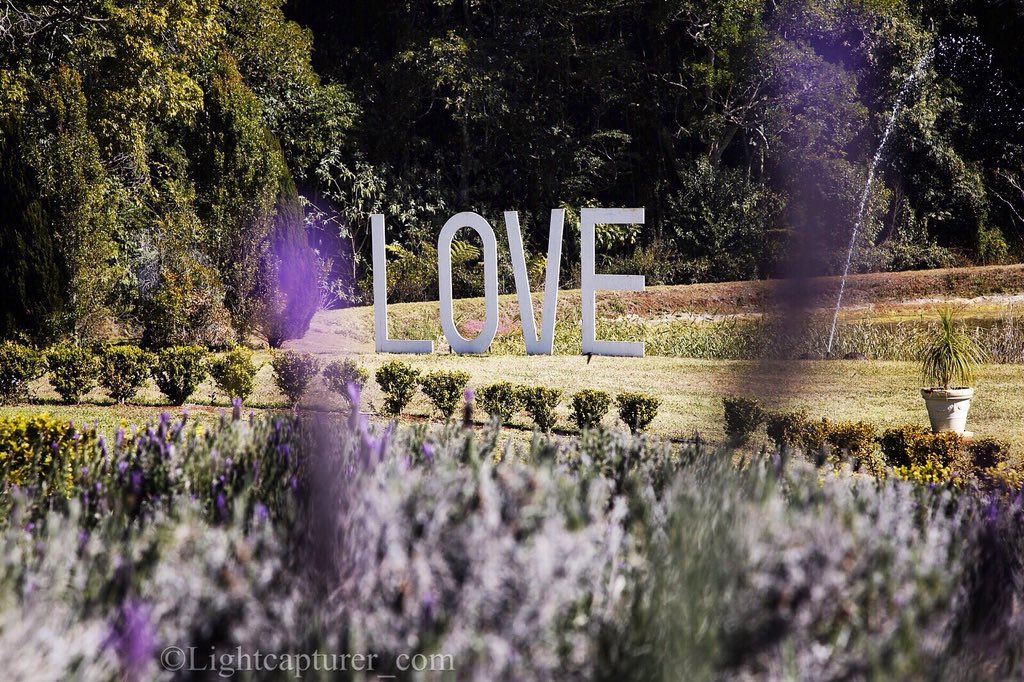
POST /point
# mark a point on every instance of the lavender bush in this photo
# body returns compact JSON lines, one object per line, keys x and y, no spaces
{"x":603,"y":557}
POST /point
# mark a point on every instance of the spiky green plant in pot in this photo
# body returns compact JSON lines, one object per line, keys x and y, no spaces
{"x":948,"y":366}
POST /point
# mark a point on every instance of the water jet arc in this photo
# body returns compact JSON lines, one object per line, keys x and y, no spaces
{"x":875,"y":162}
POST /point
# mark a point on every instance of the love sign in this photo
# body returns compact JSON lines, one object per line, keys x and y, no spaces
{"x":542,"y":344}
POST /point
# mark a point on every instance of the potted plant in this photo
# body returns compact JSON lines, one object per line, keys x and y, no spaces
{"x":948,"y":367}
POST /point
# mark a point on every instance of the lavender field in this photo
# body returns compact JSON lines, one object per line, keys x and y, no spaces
{"x":355,"y":551}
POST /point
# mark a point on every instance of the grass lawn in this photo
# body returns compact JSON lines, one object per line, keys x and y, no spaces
{"x":882,"y":393}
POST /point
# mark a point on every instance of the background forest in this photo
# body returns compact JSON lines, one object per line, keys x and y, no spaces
{"x":199,"y":172}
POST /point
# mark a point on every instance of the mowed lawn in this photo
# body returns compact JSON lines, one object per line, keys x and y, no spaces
{"x":882,"y":393}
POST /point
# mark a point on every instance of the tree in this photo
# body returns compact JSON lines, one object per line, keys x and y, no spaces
{"x":30,"y":265}
{"x":289,"y":272}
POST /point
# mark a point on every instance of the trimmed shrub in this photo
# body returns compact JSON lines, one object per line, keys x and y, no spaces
{"x":293,"y":373}
{"x":179,"y":370}
{"x":908,"y":446}
{"x":340,"y":374}
{"x":742,"y":417}
{"x":795,"y":430}
{"x":856,"y":438}
{"x":73,"y":371}
{"x":501,"y":400}
{"x":540,"y":403}
{"x":20,"y":365}
{"x":896,"y":443}
{"x":589,"y":407}
{"x":235,"y":373}
{"x":398,"y":381}
{"x":445,"y":389}
{"x":1002,"y":477}
{"x":988,"y":453}
{"x":123,"y":371}
{"x":637,"y":410}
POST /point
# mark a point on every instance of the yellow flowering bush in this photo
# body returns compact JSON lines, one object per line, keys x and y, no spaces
{"x":39,"y":450}
{"x":929,"y":473}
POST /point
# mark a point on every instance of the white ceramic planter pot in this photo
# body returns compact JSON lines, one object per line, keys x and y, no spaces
{"x":947,"y":408}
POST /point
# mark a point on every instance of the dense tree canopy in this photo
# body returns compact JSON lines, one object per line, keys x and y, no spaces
{"x":143,"y":150}
{"x":166,"y":165}
{"x":746,"y":128}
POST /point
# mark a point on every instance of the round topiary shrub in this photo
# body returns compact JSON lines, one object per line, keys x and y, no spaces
{"x":742,"y":417}
{"x":445,"y":389}
{"x":235,"y":373}
{"x":124,"y":370}
{"x":73,"y":371}
{"x":398,"y":381}
{"x":589,"y":407}
{"x":501,"y":400}
{"x":637,"y":410}
{"x":540,"y":403}
{"x":179,"y":370}
{"x":20,"y":365}
{"x":341,"y":374}
{"x":293,"y":373}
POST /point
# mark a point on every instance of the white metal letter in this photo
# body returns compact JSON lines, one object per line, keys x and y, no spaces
{"x":482,"y":342}
{"x":590,"y":218}
{"x":546,"y":343}
{"x":380,"y":298}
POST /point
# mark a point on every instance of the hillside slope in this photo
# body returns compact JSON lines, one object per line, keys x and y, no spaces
{"x":981,"y":291}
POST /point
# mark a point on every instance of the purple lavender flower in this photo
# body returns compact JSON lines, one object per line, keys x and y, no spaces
{"x":429,"y":606}
{"x":467,"y":411}
{"x":428,"y":452}
{"x":236,"y":409}
{"x":261,"y":512}
{"x":133,"y":639}
{"x":354,"y":395}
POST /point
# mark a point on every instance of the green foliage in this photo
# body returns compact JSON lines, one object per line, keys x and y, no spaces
{"x":445,"y":389}
{"x":291,"y":291}
{"x":540,"y":403}
{"x":82,"y":201}
{"x":786,"y":429}
{"x":742,"y":417}
{"x":637,"y":410}
{"x":398,"y":380}
{"x":293,"y":373}
{"x":179,"y":370}
{"x":930,"y":473}
{"x":912,"y":445}
{"x":951,"y":357}
{"x":36,"y":285}
{"x":234,"y":373}
{"x":589,"y":407}
{"x":42,"y":450}
{"x":501,"y":400}
{"x":73,"y":371}
{"x":20,"y":365}
{"x":184,"y":304}
{"x":124,"y":370}
{"x":341,"y":374}
{"x":986,"y":453}
{"x":720,"y":222}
